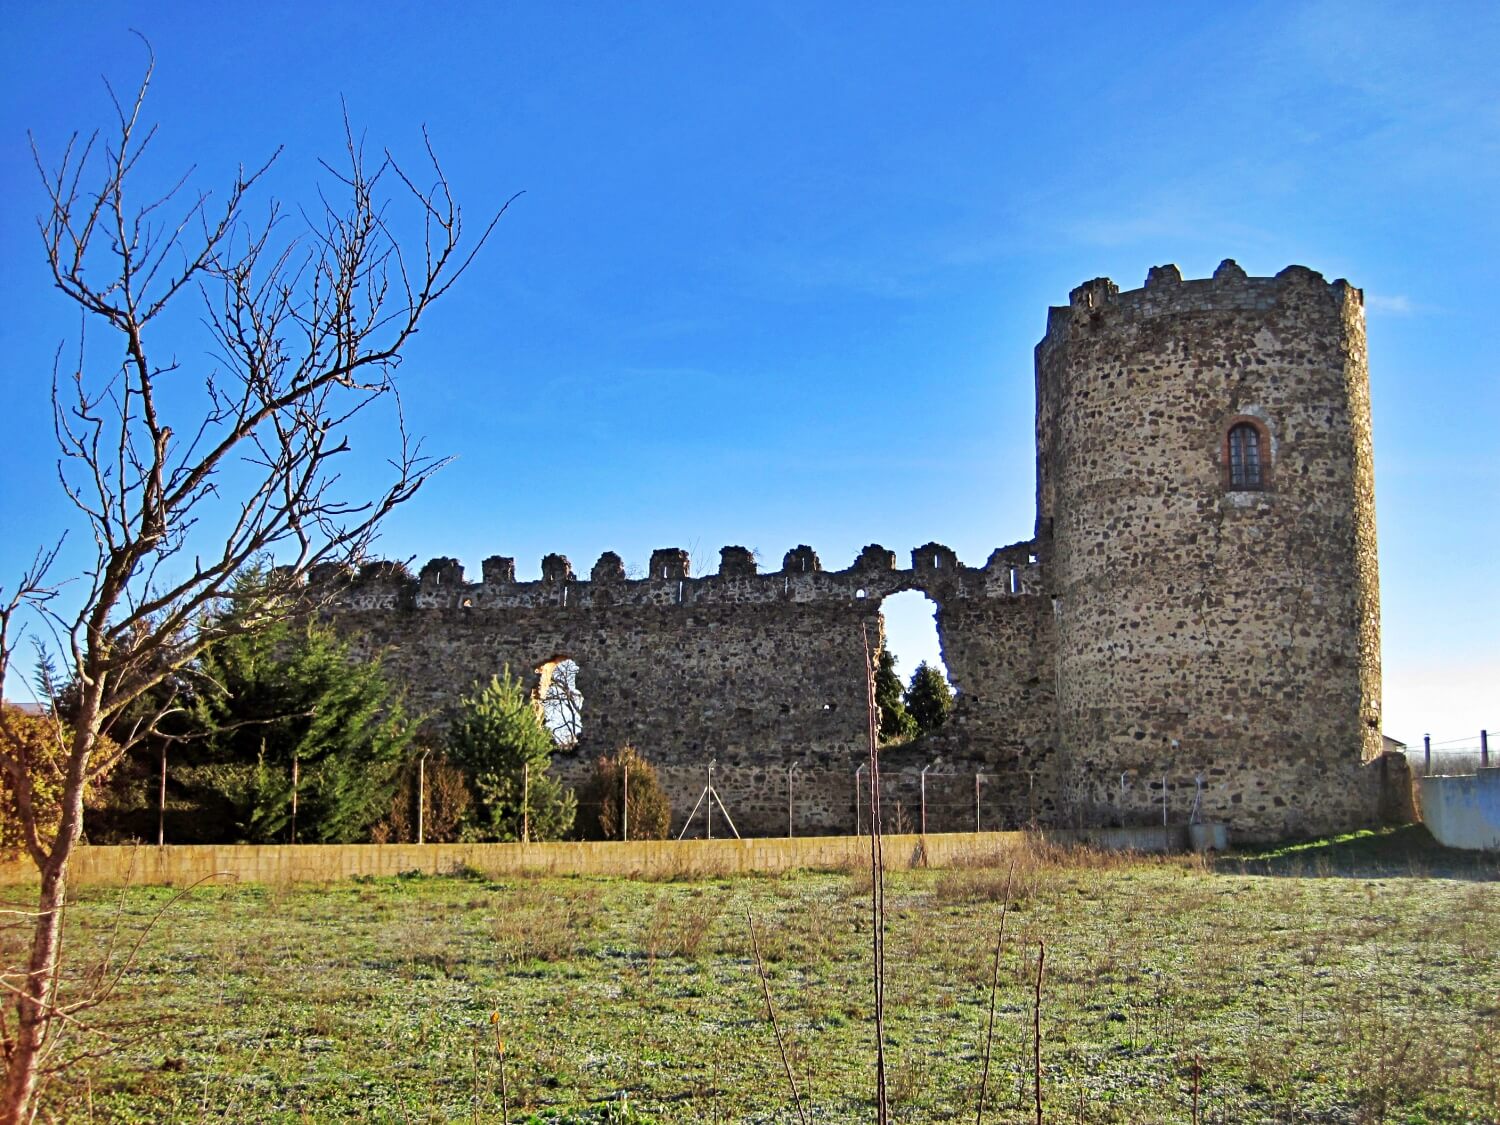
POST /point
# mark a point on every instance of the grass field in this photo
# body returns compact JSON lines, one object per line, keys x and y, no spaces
{"x":1353,"y":980}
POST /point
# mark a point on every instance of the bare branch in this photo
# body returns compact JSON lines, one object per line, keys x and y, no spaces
{"x":179,"y":492}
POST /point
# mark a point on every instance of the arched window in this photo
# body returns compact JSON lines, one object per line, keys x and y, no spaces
{"x":1246,"y":456}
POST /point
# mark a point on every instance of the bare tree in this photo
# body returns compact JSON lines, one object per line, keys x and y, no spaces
{"x":562,"y":703}
{"x":181,"y":473}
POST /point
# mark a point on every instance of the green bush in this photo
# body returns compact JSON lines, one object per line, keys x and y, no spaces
{"x":650,"y":810}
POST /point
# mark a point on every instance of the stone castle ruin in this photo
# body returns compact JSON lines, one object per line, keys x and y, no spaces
{"x":1196,"y":619}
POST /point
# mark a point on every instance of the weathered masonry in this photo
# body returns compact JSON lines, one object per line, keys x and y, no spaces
{"x":1195,"y":620}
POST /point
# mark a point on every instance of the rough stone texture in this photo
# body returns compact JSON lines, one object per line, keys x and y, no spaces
{"x":750,"y":672}
{"x":1160,"y":633}
{"x":1232,"y":635}
{"x":736,"y":562}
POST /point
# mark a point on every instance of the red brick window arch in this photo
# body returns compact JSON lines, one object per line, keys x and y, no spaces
{"x":1247,"y":455}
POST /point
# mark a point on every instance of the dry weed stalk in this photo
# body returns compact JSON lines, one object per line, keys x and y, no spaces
{"x":1036,"y":1029}
{"x":500,"y":1057}
{"x":765,"y":986}
{"x":989,"y":1037}
{"x":877,"y":887}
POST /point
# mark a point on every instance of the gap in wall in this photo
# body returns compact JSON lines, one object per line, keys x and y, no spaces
{"x":911,"y":633}
{"x":561,"y":701}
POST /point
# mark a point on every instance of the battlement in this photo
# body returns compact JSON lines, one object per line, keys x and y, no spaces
{"x":1166,"y":293}
{"x":1011,"y":571}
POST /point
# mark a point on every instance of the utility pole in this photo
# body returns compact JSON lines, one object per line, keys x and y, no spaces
{"x":709,"y":790}
{"x":977,"y":778}
{"x":625,"y":798}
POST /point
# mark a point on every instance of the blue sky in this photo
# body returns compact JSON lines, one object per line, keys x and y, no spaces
{"x":779,"y":268}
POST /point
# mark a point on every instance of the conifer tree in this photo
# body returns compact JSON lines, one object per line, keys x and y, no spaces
{"x":286,"y":708}
{"x":929,"y":698}
{"x":896,"y":723}
{"x":499,"y":741}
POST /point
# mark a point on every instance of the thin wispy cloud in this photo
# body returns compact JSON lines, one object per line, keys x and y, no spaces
{"x":1165,"y":222}
{"x":1391,"y":304}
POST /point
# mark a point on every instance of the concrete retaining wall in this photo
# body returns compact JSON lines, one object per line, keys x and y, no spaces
{"x":1464,"y":811}
{"x":178,"y":866}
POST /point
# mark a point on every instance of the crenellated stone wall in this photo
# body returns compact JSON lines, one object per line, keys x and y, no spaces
{"x":1165,"y":639}
{"x":750,"y":672}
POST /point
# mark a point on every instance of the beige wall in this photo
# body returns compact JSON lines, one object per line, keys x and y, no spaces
{"x":178,"y":866}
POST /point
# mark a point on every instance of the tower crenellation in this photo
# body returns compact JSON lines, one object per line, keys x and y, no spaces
{"x":1205,"y":509}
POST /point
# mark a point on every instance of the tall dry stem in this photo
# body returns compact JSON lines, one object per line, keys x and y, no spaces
{"x":989,"y":1036}
{"x":1036,"y":1029}
{"x":877,"y":887}
{"x":765,"y":985}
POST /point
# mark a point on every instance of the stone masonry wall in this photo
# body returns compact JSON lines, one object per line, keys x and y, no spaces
{"x":1202,"y":629}
{"x":750,"y":672}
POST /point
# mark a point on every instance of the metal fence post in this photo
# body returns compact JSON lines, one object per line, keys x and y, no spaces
{"x":789,"y":770}
{"x":161,"y":806}
{"x":1427,"y":753}
{"x":1484,"y":749}
{"x":858,"y":826}
{"x":422,"y":795}
{"x":925,"y":768}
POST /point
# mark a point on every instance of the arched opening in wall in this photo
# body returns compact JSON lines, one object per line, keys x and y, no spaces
{"x":912,"y":687}
{"x":560,"y":701}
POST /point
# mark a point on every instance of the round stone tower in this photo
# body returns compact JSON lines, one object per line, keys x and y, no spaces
{"x":1206,"y":522}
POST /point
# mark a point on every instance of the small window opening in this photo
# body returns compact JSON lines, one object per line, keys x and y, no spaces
{"x":679,"y":592}
{"x":1246,"y":457}
{"x":860,"y":593}
{"x":560,"y":701}
{"x":1015,"y":581}
{"x":468,"y":603}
